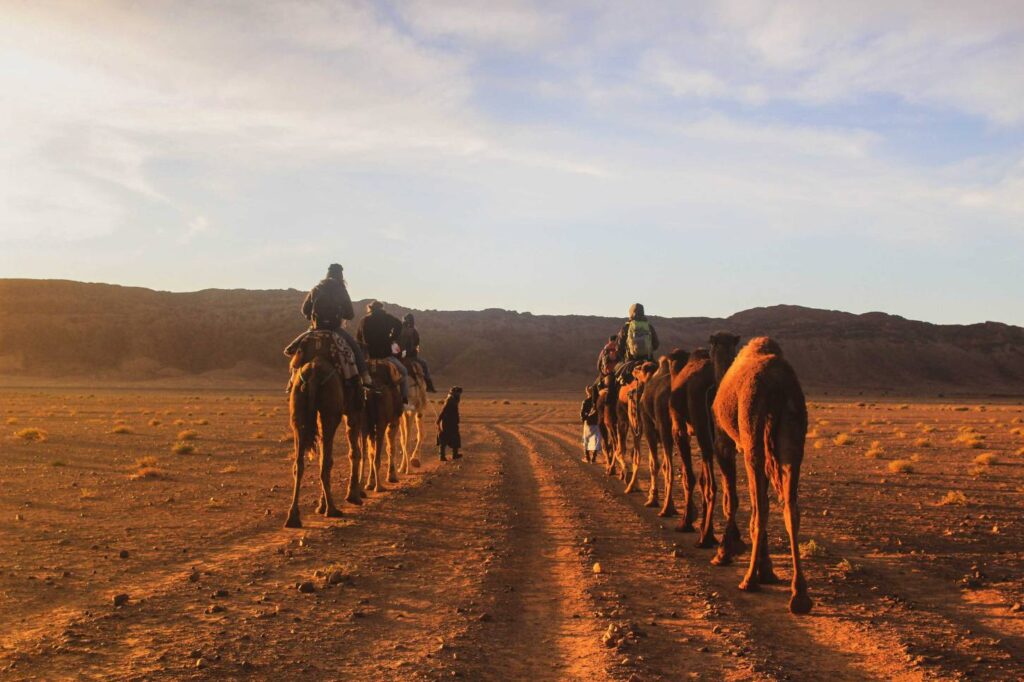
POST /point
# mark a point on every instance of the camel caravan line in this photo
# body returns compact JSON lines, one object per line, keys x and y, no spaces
{"x":748,"y":401}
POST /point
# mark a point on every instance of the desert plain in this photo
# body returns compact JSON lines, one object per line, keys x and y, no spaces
{"x":142,"y":539}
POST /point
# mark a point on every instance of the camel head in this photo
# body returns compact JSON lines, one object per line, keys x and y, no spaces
{"x":645,"y":371}
{"x":677,"y":359}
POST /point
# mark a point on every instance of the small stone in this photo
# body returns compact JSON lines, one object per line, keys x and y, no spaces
{"x":220,"y":594}
{"x":195,"y":653}
{"x":306,"y":587}
{"x":485,"y":617}
{"x":19,"y":517}
{"x":200,"y":663}
{"x":215,"y":608}
{"x":678,"y":552}
{"x":597,"y":567}
{"x":123,"y":554}
{"x":120,"y":599}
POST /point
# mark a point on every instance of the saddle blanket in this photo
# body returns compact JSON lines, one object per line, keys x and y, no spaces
{"x":591,"y":438}
{"x":341,"y":354}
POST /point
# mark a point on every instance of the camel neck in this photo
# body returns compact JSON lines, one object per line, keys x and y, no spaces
{"x":722,"y":363}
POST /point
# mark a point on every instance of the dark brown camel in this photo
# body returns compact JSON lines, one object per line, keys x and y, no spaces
{"x":761,"y":406}
{"x":606,"y":413}
{"x":317,"y":399}
{"x":657,"y":429}
{"x":383,"y":421}
{"x":694,"y":382}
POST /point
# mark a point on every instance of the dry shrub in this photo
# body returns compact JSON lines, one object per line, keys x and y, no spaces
{"x":230,"y":469}
{"x":812,"y":549}
{"x":977,"y":469}
{"x":986,"y":458}
{"x":188,"y":434}
{"x":813,"y":433}
{"x":819,"y":444}
{"x":31,"y":434}
{"x":901,"y":466}
{"x":969,"y":438}
{"x":259,"y":435}
{"x":122,"y":429}
{"x":202,"y":422}
{"x":875,"y":451}
{"x":11,"y":421}
{"x":182,"y":448}
{"x":843,"y":439}
{"x":154,"y":422}
{"x":927,"y":428}
{"x":148,"y":461}
{"x":922,"y":443}
{"x":180,"y":422}
{"x":954,"y":497}
{"x":904,"y":406}
{"x":89,"y":494}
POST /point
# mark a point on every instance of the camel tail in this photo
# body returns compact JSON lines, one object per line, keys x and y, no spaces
{"x":772,"y":466}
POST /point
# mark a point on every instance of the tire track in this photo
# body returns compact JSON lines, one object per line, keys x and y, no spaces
{"x":823,"y":646}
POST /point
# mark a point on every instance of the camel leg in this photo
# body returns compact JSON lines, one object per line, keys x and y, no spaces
{"x":391,"y":438}
{"x":403,"y":437}
{"x":293,"y":520}
{"x":799,"y":602}
{"x":415,"y":461}
{"x":731,"y":545}
{"x":355,"y":460}
{"x":373,"y":479}
{"x":652,"y":465}
{"x":326,"y":464}
{"x":669,"y":508}
{"x":682,"y":443}
{"x":758,"y":517}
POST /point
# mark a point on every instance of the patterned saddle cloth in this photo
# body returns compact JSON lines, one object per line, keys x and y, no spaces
{"x":327,"y":344}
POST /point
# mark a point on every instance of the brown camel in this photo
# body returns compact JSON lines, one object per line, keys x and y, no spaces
{"x":317,"y":398}
{"x":694,"y":383}
{"x":627,"y":454}
{"x":657,"y":428}
{"x":761,"y":406}
{"x":606,"y":412}
{"x":383,"y":420}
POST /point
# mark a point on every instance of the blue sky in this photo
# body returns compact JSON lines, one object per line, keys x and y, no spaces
{"x":555,"y":157}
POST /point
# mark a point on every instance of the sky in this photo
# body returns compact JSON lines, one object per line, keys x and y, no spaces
{"x":552,"y":157}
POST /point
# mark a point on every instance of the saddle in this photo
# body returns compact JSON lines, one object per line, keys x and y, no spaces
{"x":415,"y":370}
{"x":392,"y":371}
{"x":321,"y":343}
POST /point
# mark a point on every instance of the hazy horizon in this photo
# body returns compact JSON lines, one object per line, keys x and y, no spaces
{"x":557,"y":158}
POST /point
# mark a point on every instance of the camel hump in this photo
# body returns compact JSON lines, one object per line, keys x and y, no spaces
{"x":762,"y":345}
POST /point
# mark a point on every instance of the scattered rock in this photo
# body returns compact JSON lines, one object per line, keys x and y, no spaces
{"x":120,"y":599}
{"x":123,"y":554}
{"x":306,"y":587}
{"x":215,"y":608}
{"x":597,"y":567}
{"x":220,"y":594}
{"x":19,"y":517}
{"x":200,"y":663}
{"x":485,"y":617}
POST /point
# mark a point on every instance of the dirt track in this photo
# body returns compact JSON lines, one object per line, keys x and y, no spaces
{"x":483,"y":569}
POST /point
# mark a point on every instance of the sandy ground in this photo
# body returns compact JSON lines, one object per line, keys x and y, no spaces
{"x":483,"y":569}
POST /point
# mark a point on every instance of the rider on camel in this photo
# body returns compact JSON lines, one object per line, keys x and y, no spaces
{"x":326,"y":306}
{"x":637,"y":339}
{"x":378,"y":332}
{"x":409,"y":341}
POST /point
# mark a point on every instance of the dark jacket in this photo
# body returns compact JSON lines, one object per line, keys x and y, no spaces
{"x":376,"y":333}
{"x":448,"y":424}
{"x":588,"y":412}
{"x":409,"y":340}
{"x":624,"y":338}
{"x":327,"y":304}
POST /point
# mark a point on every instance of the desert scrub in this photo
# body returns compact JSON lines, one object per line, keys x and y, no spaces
{"x":182,"y":448}
{"x":812,"y":549}
{"x":188,"y":434}
{"x":122,"y":429}
{"x":875,"y":450}
{"x":31,"y":434}
{"x":901,"y":466}
{"x":154,"y":422}
{"x":922,"y":443}
{"x":954,"y":497}
{"x":843,"y":439}
{"x":258,"y":435}
{"x":986,"y":458}
{"x":202,"y":422}
{"x":969,"y":438}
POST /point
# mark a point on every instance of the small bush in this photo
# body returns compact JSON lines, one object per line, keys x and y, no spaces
{"x":843,"y":439}
{"x":154,"y":422}
{"x":122,"y":429}
{"x":202,"y":422}
{"x":259,"y":435}
{"x":954,"y":497}
{"x":188,"y":434}
{"x":145,"y":462}
{"x":986,"y":458}
{"x":811,"y":549}
{"x":182,"y":448}
{"x":901,"y":466}
{"x":31,"y":434}
{"x":922,"y":443}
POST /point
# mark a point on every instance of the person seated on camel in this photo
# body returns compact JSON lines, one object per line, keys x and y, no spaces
{"x":609,"y":356}
{"x":326,"y":306}
{"x":377,"y":332}
{"x":409,"y":342}
{"x":637,"y":339}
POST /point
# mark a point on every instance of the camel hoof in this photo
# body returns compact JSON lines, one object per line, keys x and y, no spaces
{"x":415,"y":464}
{"x":721,"y":559}
{"x":333,"y":513}
{"x":392,"y":478}
{"x":293,"y":521}
{"x":355,"y":499}
{"x":321,"y":508}
{"x":668,"y":512}
{"x":651,"y":502}
{"x":379,"y":489}
{"x":707,"y":543}
{"x":750,"y":586}
{"x":768,"y":578}
{"x":800,"y":604}
{"x":683,"y":527}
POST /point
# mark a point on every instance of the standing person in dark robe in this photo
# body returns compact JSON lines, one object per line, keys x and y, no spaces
{"x":448,"y":425}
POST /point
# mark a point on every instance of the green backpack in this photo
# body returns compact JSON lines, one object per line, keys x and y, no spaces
{"x":638,"y":339}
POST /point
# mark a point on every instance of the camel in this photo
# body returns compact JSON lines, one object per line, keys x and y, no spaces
{"x":761,"y":406}
{"x":606,"y":410}
{"x":383,"y":419}
{"x":413,"y":417}
{"x":694,"y":382}
{"x":657,"y":429}
{"x":317,"y":398}
{"x":626,"y":425}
